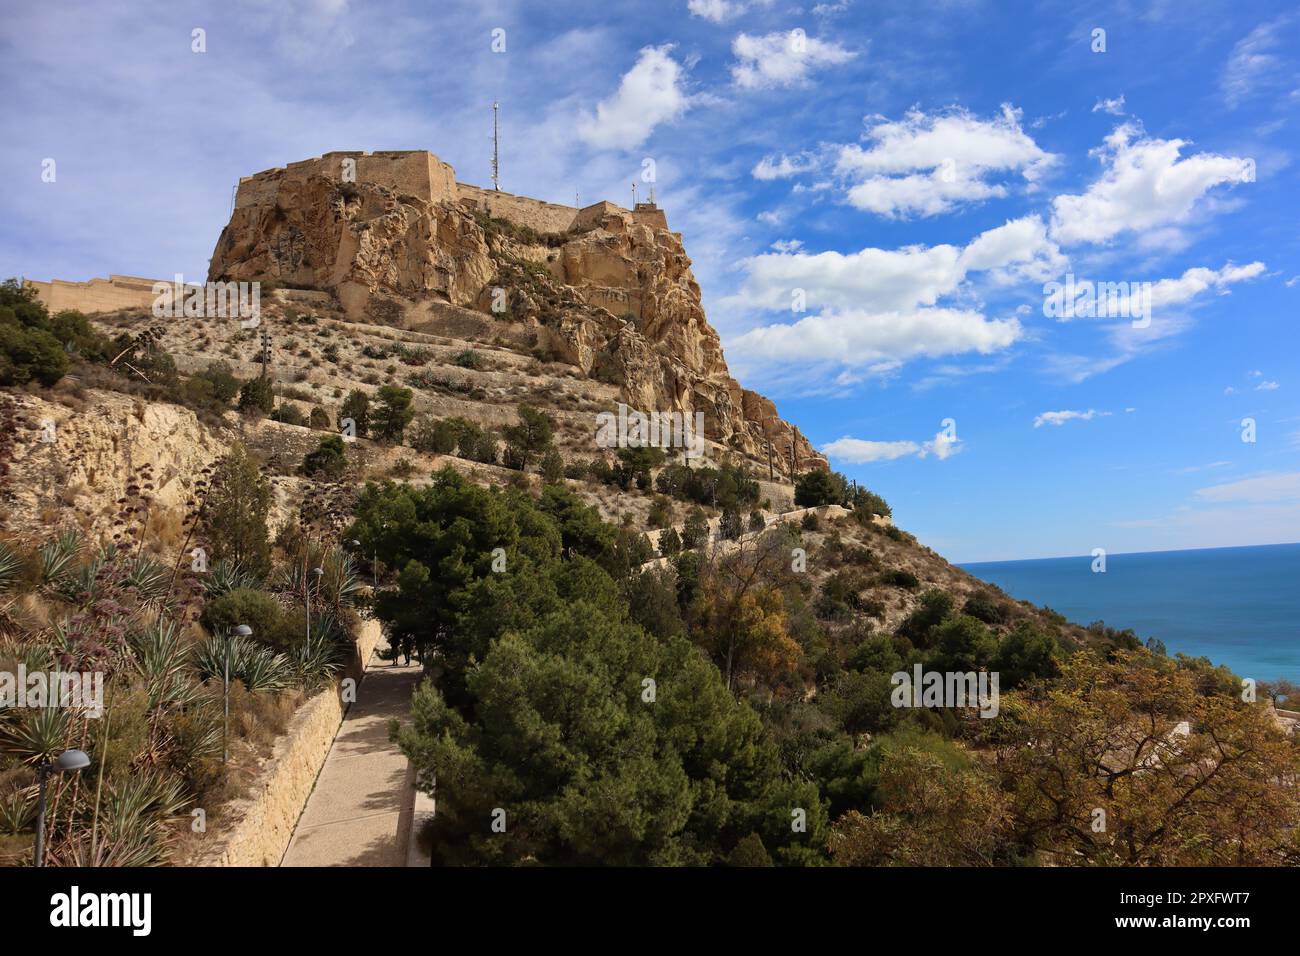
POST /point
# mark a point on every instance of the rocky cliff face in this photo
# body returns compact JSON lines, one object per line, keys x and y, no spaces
{"x":613,"y":295}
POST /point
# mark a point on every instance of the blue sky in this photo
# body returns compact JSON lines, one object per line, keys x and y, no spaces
{"x":919,"y":169}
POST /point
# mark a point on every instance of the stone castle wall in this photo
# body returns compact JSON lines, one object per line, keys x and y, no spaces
{"x":533,"y":213}
{"x":96,"y":295}
{"x":421,"y":174}
{"x":411,"y":172}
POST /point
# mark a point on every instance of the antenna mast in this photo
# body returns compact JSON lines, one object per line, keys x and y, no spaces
{"x":496,"y":158}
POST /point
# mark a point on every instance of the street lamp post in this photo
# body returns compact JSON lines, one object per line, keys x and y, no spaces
{"x":316,"y":573}
{"x":70,"y":761}
{"x":355,"y":543}
{"x":243,"y":630}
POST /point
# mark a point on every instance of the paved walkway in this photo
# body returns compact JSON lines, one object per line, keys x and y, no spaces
{"x":362,"y":797}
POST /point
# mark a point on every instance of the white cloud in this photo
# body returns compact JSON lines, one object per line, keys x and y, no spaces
{"x":1061,"y":417}
{"x":894,"y":280}
{"x":1171,"y":292}
{"x":1018,"y":249}
{"x":1114,"y":106}
{"x":942,"y":446}
{"x":783,"y":167}
{"x":856,"y":338}
{"x":650,"y":93}
{"x":927,"y":164}
{"x":857,"y":451}
{"x":1193,"y":282}
{"x":877,"y":308}
{"x":1267,"y":386}
{"x":715,"y":10}
{"x":1252,"y":63}
{"x":787,"y":245}
{"x":1263,"y":489}
{"x":781,"y":58}
{"x":1144,"y":188}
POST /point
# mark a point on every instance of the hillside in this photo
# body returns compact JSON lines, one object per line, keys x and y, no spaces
{"x":638,"y":656}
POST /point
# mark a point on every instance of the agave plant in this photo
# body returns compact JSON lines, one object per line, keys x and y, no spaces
{"x":195,"y":734}
{"x":339,"y":583}
{"x":17,"y":810}
{"x":259,"y":667}
{"x":11,"y":565}
{"x":33,"y":656}
{"x":57,"y":555}
{"x":160,"y":656}
{"x":226,"y":576}
{"x":318,"y":658}
{"x":151,"y":579}
{"x":36,"y":736}
{"x":131,"y":827}
{"x":81,"y":583}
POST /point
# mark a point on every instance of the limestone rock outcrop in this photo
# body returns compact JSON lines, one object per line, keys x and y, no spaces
{"x":605,"y":289}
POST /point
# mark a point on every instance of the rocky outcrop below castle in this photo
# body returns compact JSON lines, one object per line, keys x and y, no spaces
{"x":608,"y":290}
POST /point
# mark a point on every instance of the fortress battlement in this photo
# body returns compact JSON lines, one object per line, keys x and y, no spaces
{"x":423,"y":175}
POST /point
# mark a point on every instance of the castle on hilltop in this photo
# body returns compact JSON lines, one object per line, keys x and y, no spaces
{"x":421,"y":174}
{"x":411,"y":172}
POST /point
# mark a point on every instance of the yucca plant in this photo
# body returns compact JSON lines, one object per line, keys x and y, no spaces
{"x":257,"y":666}
{"x":318,"y":658}
{"x":36,"y":736}
{"x":339,"y":583}
{"x":195,"y":734}
{"x":132,"y":824}
{"x":161,"y":657}
{"x":17,"y":810}
{"x":226,"y":576}
{"x":11,"y":566}
{"x":57,"y":555}
{"x":34,"y":656}
{"x":81,"y":583}
{"x":148,"y":577}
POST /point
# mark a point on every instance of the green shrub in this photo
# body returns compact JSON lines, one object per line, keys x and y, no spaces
{"x":695,"y":532}
{"x":356,"y":407}
{"x":814,"y":488}
{"x":553,"y":468}
{"x":901,"y":579}
{"x":35,"y":347}
{"x":467,"y":359}
{"x":983,"y":607}
{"x":257,"y":396}
{"x":934,"y":607}
{"x":392,"y":413}
{"x":288,"y":414}
{"x":433,"y":437}
{"x":237,"y":506}
{"x":329,"y":460}
{"x":257,"y":609}
{"x":220,"y":380}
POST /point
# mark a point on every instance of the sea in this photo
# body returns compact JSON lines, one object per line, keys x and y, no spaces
{"x":1236,"y":606}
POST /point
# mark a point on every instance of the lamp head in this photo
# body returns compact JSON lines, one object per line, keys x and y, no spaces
{"x":71,"y":761}
{"x":243,"y":630}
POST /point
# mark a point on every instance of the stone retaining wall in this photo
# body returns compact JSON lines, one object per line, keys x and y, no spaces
{"x":258,"y":827}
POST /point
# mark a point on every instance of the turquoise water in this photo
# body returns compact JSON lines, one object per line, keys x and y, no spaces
{"x":1236,"y":606}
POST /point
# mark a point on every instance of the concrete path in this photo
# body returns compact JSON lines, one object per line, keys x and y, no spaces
{"x":363,"y":796}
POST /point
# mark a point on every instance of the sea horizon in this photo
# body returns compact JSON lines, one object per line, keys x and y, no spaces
{"x":1237,"y":606}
